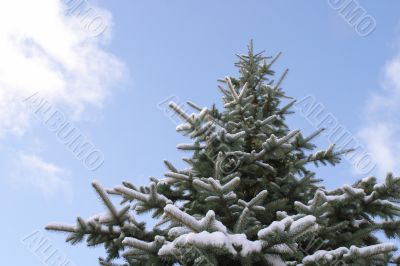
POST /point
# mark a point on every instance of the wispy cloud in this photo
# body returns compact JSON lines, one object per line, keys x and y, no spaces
{"x":47,"y":178}
{"x":42,"y":49}
{"x":381,"y":130}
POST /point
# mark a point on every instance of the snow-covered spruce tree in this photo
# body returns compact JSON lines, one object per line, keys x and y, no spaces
{"x":246,"y":197}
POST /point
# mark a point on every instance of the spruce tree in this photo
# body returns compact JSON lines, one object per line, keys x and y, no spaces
{"x":246,"y":197}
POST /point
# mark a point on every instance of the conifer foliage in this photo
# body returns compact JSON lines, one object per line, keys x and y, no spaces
{"x":246,"y":197}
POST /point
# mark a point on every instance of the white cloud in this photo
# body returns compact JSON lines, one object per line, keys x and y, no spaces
{"x":44,"y":50}
{"x":33,"y":172}
{"x":381,"y":131}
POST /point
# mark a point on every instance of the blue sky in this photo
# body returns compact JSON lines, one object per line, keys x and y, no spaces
{"x":110,"y":87}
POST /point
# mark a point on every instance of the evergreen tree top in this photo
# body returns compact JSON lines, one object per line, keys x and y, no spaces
{"x":247,"y":196}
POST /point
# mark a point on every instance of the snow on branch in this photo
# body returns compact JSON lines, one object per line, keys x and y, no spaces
{"x":207,"y":223}
{"x":236,"y":244}
{"x":343,"y":254}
